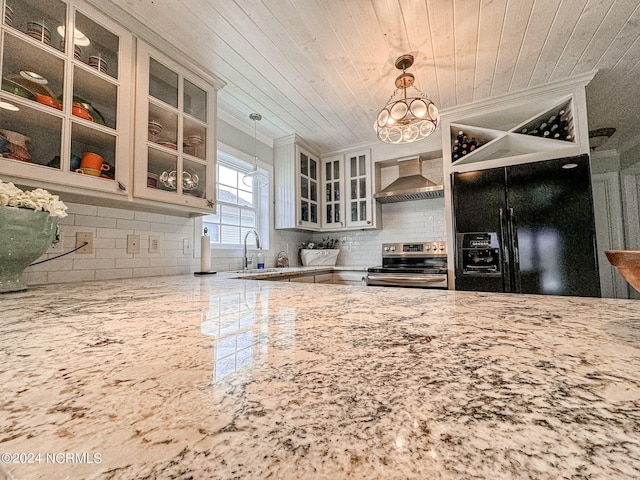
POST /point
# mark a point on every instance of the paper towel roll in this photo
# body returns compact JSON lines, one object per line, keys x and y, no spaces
{"x":205,"y":253}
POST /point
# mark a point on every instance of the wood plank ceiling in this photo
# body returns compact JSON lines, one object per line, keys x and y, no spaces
{"x":323,"y":68}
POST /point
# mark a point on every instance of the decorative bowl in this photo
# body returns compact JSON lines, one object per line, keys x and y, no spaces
{"x":95,"y":114}
{"x":80,"y":111}
{"x":17,"y":89}
{"x":628,"y":264}
{"x":48,"y":101}
{"x":154,"y":127}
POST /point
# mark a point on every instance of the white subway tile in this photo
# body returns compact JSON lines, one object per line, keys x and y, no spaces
{"x":116,"y":213}
{"x":123,"y":224}
{"x":111,"y":274}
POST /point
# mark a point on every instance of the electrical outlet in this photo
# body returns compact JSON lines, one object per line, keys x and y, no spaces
{"x":82,"y":237}
{"x":154,"y":243}
{"x":187,"y":246}
{"x":133,"y":243}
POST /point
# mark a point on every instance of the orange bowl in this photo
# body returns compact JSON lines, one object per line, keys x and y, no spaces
{"x":49,"y":101}
{"x":79,"y":111}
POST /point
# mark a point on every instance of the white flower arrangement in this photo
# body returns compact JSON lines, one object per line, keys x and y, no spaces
{"x":38,"y":199}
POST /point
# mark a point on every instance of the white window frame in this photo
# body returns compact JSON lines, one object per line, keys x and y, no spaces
{"x":241,"y":161}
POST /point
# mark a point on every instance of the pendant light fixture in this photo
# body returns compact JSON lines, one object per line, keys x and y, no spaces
{"x":255,"y":177}
{"x":408,"y":118}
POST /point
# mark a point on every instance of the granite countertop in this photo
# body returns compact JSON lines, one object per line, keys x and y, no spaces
{"x":212,"y":378}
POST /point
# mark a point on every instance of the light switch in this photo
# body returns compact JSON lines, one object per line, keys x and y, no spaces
{"x":154,"y":243}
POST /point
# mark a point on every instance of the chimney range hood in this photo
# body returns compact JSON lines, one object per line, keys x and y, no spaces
{"x":410,"y":185}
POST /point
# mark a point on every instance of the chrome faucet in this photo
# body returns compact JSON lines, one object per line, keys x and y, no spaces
{"x":245,"y":260}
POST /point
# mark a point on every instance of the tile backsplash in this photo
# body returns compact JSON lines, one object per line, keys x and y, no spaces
{"x":109,"y":259}
{"x":422,"y":220}
{"x":414,"y":221}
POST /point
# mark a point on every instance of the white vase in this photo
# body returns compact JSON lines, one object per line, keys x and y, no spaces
{"x":319,"y":257}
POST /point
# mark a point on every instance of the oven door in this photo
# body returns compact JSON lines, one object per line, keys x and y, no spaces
{"x":417,"y":280}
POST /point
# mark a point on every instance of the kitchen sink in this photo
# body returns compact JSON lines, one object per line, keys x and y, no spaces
{"x":256,"y":270}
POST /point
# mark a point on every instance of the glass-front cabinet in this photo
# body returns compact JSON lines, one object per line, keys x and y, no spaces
{"x":298,"y":185}
{"x":359,"y":193}
{"x":333,"y":189}
{"x":308,"y":190}
{"x":175,"y":138}
{"x":347,"y":192}
{"x":66,"y":81}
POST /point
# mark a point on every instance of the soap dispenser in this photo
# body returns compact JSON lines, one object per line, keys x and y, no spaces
{"x":260,"y":259}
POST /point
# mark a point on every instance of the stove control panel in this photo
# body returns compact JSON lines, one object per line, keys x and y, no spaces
{"x":422,"y":249}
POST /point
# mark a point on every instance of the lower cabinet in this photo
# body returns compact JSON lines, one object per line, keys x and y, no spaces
{"x":349,"y":277}
{"x":304,"y":279}
{"x":338,"y":278}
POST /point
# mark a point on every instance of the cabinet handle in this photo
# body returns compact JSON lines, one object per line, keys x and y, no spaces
{"x":368,"y":222}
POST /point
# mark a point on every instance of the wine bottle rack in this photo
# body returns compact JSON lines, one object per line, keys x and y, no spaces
{"x":524,"y":130}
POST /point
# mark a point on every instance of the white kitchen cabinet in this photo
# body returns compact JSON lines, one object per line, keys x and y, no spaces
{"x":362,"y":210}
{"x":297,"y":185}
{"x":175,"y":150}
{"x":303,"y":279}
{"x":349,"y":277}
{"x":66,"y":82}
{"x":347,"y":201}
{"x":333,"y":182}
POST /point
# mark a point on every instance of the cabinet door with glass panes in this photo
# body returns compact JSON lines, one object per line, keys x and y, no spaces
{"x":63,"y":103}
{"x":333,"y":193}
{"x":308,"y":209}
{"x":359,"y":200}
{"x":175,"y":139}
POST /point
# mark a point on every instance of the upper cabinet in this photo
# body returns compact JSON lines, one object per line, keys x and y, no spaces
{"x":540,"y":124}
{"x":297,"y":185}
{"x":331,"y":194}
{"x":64,"y":118}
{"x":347,"y":192}
{"x":361,"y":208}
{"x":175,"y":152}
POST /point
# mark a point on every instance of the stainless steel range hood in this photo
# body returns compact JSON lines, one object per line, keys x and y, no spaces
{"x":410,"y":185}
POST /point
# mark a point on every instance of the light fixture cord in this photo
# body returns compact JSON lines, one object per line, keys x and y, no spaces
{"x":255,"y":144}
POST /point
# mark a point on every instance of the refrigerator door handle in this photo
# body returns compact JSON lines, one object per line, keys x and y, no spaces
{"x":504,"y":247}
{"x":513,"y":236}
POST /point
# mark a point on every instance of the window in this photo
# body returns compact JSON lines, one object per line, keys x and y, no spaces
{"x":240,"y":207}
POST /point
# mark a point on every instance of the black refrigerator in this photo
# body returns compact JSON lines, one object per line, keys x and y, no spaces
{"x":526,"y":228}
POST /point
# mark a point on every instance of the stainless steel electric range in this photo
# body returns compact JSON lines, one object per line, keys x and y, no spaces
{"x":420,"y":265}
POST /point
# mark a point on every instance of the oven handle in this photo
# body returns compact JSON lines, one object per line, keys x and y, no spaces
{"x":390,"y":279}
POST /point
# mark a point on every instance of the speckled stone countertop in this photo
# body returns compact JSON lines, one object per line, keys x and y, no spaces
{"x":210,"y":378}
